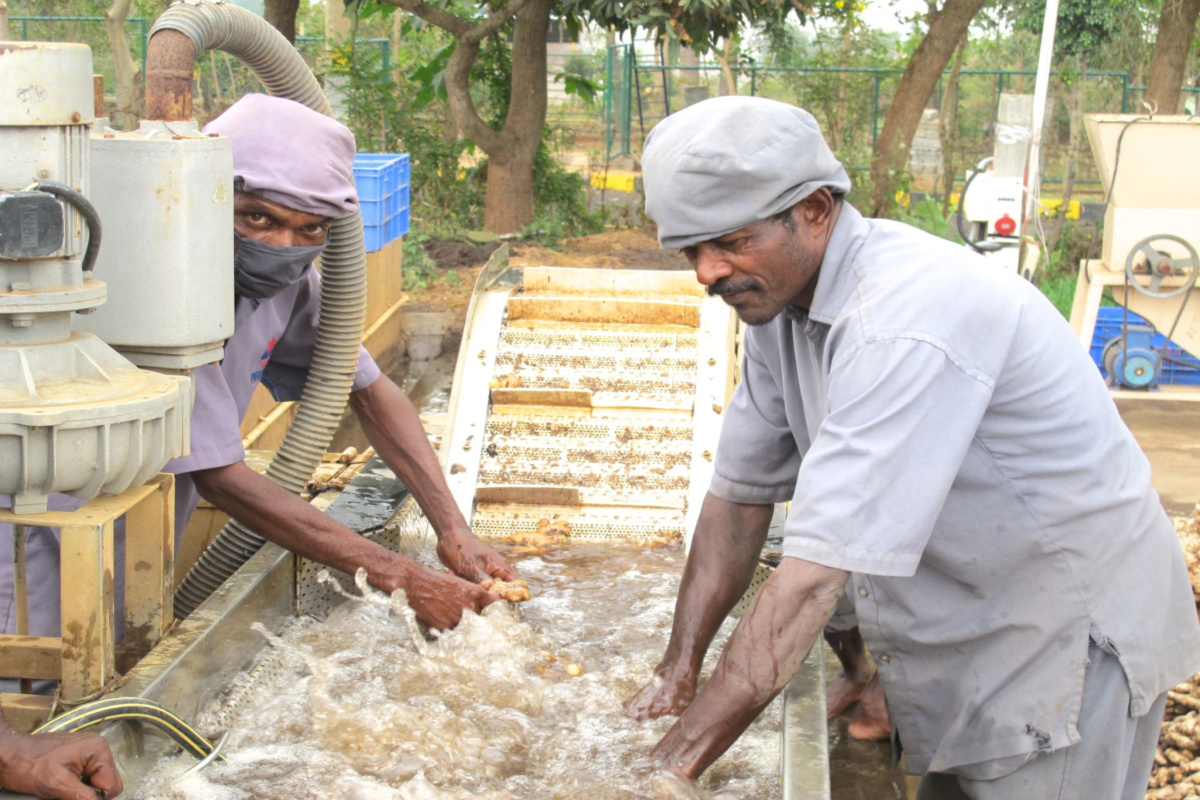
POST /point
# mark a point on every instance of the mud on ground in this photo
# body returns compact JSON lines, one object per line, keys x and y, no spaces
{"x":459,"y":263}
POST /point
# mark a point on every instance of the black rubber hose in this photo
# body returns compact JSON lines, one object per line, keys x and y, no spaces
{"x":962,"y":197}
{"x":86,"y":210}
{"x":132,"y":708}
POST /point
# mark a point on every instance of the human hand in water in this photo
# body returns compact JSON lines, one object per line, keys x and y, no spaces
{"x":658,"y":781}
{"x":471,"y":559}
{"x":439,"y":598}
{"x":670,"y":691}
{"x":62,"y":766}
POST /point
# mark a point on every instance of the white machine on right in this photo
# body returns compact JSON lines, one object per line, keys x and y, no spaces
{"x":1150,"y":169}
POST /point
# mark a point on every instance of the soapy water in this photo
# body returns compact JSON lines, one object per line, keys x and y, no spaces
{"x":513,"y":704}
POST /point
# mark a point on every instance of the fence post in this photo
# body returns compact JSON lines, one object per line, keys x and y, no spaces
{"x":608,"y":88}
{"x":875,"y":112}
{"x":142,"y":23}
{"x":1124,"y":92}
{"x":753,"y":75}
{"x":630,"y":65}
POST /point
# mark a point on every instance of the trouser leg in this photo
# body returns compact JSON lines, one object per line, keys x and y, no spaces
{"x":939,"y":786}
{"x":1111,"y":762}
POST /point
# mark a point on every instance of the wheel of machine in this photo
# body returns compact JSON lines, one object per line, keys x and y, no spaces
{"x":1161,"y":266}
{"x":1109,"y":357}
{"x":1132,"y":367}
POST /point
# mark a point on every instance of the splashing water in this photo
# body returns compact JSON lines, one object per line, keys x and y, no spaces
{"x":513,"y":704}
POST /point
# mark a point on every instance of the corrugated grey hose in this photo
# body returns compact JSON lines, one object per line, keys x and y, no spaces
{"x":234,"y":30}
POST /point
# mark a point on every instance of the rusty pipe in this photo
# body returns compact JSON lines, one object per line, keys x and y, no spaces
{"x":170,"y":60}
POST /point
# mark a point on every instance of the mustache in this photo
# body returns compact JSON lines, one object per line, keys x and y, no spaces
{"x":729,"y":286}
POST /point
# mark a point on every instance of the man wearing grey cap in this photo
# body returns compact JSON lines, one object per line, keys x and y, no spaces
{"x":954,"y":463}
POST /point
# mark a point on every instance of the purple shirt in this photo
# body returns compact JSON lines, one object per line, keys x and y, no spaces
{"x":272,"y":342}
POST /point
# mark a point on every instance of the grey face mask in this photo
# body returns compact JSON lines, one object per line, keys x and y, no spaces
{"x":263,"y":270}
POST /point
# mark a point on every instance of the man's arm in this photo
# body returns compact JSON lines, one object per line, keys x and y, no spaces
{"x":283,"y":518}
{"x":62,"y":766}
{"x":393,"y":427}
{"x":762,"y":655}
{"x":725,"y":548}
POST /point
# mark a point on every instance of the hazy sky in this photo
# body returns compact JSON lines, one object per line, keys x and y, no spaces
{"x":891,"y":15}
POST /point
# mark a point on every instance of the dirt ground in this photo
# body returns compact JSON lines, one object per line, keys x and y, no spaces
{"x":624,"y":249}
{"x":459,"y":265}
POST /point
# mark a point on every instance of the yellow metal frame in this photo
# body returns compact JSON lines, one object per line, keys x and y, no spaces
{"x":85,"y":658}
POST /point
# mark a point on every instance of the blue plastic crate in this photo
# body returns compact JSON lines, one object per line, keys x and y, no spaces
{"x":404,"y":170}
{"x":401,"y":222}
{"x":373,"y":237}
{"x":378,"y":174}
{"x":376,"y":212}
{"x":1108,"y":327}
{"x":393,"y":203}
{"x":369,"y":177}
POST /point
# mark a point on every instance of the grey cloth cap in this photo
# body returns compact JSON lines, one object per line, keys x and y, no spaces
{"x":725,"y":163}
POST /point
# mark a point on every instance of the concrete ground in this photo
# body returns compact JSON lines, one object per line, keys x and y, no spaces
{"x":1169,"y":433}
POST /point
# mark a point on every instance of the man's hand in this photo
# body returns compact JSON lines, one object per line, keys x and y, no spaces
{"x":471,"y":559}
{"x":669,"y":692}
{"x":720,"y":565}
{"x":437,"y":597}
{"x":764,"y":651}
{"x":62,"y":766}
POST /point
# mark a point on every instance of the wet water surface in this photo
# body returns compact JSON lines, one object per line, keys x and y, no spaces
{"x":513,"y":704}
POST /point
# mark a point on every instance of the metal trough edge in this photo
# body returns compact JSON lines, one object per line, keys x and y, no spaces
{"x":195,"y":663}
{"x":803,"y":732}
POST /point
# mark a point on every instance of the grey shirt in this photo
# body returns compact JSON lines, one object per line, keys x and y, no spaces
{"x":945,"y":439}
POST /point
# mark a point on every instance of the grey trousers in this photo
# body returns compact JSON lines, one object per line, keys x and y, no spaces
{"x":1111,"y":762}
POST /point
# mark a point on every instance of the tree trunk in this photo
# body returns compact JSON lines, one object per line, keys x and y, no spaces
{"x":1073,"y":99}
{"x":510,"y":150}
{"x":509,"y":194}
{"x":1176,"y":25}
{"x":948,"y":127}
{"x":728,"y":79}
{"x":946,"y":29}
{"x":128,"y":97}
{"x":282,"y":16}
{"x":509,"y":204}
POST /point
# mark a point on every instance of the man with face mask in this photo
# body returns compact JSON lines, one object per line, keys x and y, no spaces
{"x":292,"y":175}
{"x":293,"y":170}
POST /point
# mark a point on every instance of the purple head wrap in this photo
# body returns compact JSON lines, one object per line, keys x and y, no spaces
{"x":290,"y":154}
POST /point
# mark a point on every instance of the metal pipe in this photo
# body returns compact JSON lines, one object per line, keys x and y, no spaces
{"x":275,"y":62}
{"x":21,"y":593}
{"x":1040,"y":91}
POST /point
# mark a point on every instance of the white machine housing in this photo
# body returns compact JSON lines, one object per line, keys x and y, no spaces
{"x":165,"y":193}
{"x":75,"y":417}
{"x":1156,"y":188}
{"x":995,"y":201}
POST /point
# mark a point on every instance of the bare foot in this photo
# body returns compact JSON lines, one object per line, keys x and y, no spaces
{"x":842,"y":693}
{"x":870,"y":720}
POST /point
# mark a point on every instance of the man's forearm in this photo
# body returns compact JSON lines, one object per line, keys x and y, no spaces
{"x":394,"y":429}
{"x":283,"y":518}
{"x":724,"y":551}
{"x":764,"y":652}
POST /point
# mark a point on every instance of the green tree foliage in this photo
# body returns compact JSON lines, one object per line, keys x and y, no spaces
{"x":1084,"y":26}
